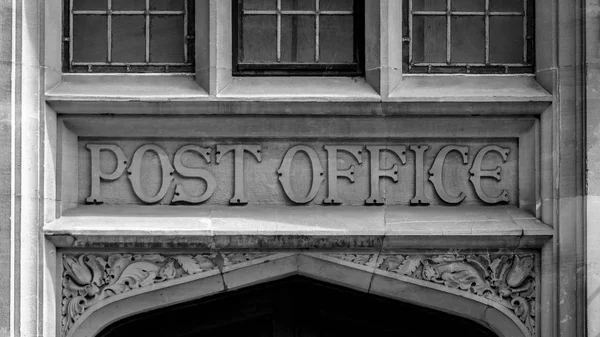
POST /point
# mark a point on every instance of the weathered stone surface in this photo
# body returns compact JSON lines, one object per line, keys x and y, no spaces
{"x":262,"y":185}
{"x":89,"y":280}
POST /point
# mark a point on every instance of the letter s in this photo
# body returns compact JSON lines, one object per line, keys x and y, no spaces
{"x":181,"y":195}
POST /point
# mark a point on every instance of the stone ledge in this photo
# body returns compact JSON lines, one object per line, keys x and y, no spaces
{"x":299,"y":88}
{"x":286,"y":227}
{"x":123,"y":87}
{"x":470,"y":88}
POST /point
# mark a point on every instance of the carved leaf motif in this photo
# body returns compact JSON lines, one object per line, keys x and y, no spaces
{"x":463,"y":276}
{"x":410,"y":265}
{"x":500,"y":266}
{"x":234,"y":258}
{"x":167,"y":271}
{"x":77,"y":271}
{"x":519,"y":271}
{"x":188,"y":264}
{"x":156,"y":258}
{"x":204,"y":262}
{"x":135,"y":275}
{"x":117,"y":263}
{"x":482,"y":261}
{"x":391,"y":263}
{"x":75,"y":308}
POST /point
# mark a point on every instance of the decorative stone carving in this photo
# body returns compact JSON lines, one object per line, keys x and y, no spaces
{"x":364,"y":259}
{"x":507,"y":279}
{"x":234,"y":258}
{"x":91,"y":278}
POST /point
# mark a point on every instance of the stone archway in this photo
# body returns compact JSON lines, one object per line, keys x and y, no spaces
{"x":496,"y":291}
{"x":295,"y":306}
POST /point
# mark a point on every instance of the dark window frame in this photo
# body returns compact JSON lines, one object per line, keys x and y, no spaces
{"x":127,"y":67}
{"x":489,"y":68}
{"x":299,"y":69}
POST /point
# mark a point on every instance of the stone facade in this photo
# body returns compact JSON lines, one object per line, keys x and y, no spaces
{"x":474,"y":195}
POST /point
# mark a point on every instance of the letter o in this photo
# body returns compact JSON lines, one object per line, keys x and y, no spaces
{"x":135,"y":175}
{"x":317,"y":173}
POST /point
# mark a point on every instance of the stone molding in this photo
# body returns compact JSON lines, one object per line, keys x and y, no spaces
{"x":88,"y":279}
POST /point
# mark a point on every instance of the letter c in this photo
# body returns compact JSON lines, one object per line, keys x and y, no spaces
{"x":436,"y":173}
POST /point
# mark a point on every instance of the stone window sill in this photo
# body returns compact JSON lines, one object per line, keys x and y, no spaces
{"x":126,"y":87}
{"x":324,"y":89}
{"x":265,"y":227}
{"x":469,"y":88}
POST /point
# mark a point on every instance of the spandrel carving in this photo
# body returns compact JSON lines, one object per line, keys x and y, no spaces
{"x":88,"y":279}
{"x":509,"y":280}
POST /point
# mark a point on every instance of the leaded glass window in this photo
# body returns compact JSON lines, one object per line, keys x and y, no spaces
{"x":128,"y":36}
{"x":468,"y":36}
{"x":298,"y":37}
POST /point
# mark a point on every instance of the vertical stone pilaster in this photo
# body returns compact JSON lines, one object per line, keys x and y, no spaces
{"x":6,"y":169}
{"x":569,"y":175}
{"x":592,"y":13}
{"x":20,"y":167}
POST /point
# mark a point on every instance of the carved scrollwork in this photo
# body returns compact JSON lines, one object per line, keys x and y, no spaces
{"x":505,"y":279}
{"x":364,"y":259}
{"x":91,"y":278}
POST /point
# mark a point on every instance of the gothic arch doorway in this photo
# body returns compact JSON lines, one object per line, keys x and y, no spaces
{"x":296,"y":306}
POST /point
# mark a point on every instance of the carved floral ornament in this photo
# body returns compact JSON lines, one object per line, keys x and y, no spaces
{"x":507,"y":279}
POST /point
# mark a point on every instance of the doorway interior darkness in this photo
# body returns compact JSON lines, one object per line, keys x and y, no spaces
{"x":295,"y":307}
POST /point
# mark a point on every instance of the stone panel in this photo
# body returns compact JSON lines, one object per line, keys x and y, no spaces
{"x":263,"y":180}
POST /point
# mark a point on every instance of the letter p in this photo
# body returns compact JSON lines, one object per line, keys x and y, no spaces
{"x":97,"y":174}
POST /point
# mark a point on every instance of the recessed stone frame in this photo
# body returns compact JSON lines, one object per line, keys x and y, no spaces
{"x":498,"y":290}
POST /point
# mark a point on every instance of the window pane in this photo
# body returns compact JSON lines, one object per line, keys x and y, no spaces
{"x":336,"y":5}
{"x":129,"y":4}
{"x":336,"y":39}
{"x":506,"y":39}
{"x":468,"y":5}
{"x":89,"y":38}
{"x":429,"y":5}
{"x":90,"y":4}
{"x":260,"y":4}
{"x":506,"y":5}
{"x":308,"y":5}
{"x":166,"y":38}
{"x":468,"y":39}
{"x":429,"y":36}
{"x":259,"y":35}
{"x":298,"y":38}
{"x":167,"y":5}
{"x":128,"y":38}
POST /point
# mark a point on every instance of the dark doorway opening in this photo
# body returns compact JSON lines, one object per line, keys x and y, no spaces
{"x":295,"y":307}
